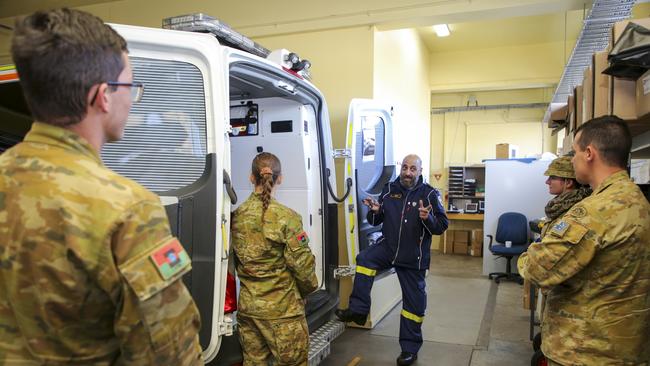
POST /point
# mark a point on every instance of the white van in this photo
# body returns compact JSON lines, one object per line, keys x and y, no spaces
{"x":207,"y":110}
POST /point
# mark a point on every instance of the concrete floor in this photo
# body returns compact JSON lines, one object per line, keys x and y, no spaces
{"x":470,"y":321}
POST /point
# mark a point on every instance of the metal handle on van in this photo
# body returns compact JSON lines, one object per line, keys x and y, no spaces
{"x":348,"y":183}
{"x":229,"y":189}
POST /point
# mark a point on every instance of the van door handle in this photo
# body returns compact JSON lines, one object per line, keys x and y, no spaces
{"x":228,"y":183}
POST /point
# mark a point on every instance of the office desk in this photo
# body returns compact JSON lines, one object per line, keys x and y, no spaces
{"x":458,"y":221}
{"x":464,"y":216}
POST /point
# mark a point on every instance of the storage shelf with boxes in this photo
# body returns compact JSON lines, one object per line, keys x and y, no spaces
{"x":602,"y":94}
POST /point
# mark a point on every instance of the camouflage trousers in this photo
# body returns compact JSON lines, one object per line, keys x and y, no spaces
{"x":285,"y":341}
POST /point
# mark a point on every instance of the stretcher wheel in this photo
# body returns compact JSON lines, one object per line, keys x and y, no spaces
{"x":538,"y":359}
{"x":537,"y":342}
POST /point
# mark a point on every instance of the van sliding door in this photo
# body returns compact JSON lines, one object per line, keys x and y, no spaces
{"x":371,"y":165}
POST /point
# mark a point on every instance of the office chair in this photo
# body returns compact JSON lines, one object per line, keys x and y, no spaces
{"x":512,"y":226}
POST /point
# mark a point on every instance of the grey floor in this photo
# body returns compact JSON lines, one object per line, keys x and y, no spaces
{"x":470,"y":321}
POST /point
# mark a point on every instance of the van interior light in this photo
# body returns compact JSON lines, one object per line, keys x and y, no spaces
{"x":442,"y":30}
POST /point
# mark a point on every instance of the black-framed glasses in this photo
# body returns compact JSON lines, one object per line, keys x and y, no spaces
{"x":137,"y":90}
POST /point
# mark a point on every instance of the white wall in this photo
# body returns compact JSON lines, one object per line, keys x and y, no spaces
{"x":511,"y":186}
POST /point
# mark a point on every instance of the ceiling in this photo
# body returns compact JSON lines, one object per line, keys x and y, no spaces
{"x":516,"y":31}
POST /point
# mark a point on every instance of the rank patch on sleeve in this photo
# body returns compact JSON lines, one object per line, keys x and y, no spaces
{"x":302,"y":238}
{"x":170,"y":258}
{"x":560,"y":228}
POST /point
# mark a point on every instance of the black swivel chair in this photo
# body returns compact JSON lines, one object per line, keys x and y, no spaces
{"x":512,"y":227}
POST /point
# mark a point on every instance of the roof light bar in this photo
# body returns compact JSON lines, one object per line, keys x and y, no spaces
{"x":200,"y":22}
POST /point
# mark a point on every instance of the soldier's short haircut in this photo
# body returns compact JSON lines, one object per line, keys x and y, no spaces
{"x":59,"y":55}
{"x":611,"y":136}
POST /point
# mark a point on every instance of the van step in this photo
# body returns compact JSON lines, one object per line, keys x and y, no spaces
{"x":319,"y":341}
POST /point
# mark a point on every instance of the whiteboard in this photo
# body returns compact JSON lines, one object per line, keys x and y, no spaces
{"x":515,"y":185}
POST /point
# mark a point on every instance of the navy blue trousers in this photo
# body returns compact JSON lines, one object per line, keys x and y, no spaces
{"x":414,"y":297}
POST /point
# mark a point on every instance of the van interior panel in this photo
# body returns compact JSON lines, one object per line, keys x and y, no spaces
{"x":296,"y":147}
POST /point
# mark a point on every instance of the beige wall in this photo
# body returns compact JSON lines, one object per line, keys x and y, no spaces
{"x":401,"y":68}
{"x":504,"y":67}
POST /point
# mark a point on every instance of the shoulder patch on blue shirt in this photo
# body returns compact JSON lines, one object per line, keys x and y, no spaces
{"x":560,"y":228}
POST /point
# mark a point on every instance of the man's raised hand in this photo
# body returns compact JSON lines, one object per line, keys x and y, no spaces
{"x":424,"y":211}
{"x":372,"y":204}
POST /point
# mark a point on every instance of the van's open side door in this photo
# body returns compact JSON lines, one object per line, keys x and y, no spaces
{"x":371,"y":165}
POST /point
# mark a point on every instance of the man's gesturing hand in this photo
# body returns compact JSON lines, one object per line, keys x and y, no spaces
{"x":424,"y":211}
{"x":372,"y":204}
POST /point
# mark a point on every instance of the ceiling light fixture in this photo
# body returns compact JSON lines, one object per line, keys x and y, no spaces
{"x":442,"y":30}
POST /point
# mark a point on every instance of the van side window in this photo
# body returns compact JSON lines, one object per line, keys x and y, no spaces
{"x":370,"y":158}
{"x":164,"y":143}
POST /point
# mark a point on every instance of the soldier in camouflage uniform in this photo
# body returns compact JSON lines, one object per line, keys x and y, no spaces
{"x":89,"y":272}
{"x":276,"y":270}
{"x":595,"y":260}
{"x":563,"y":184}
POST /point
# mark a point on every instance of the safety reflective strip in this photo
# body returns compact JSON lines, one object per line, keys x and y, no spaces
{"x":8,"y":73}
{"x":411,"y":316}
{"x":224,"y":238}
{"x":352,"y":218}
{"x":366,"y":271}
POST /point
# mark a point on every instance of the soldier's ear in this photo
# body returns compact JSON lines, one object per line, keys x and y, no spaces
{"x":251,"y":178}
{"x":279,"y":180}
{"x":590,"y":153}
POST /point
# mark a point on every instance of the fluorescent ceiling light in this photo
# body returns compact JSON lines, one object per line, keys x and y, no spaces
{"x":442,"y":30}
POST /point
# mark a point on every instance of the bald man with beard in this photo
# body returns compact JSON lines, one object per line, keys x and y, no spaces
{"x":411,"y":212}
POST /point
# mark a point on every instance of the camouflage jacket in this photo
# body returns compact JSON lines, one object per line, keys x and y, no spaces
{"x":560,"y":204}
{"x":275,"y":266}
{"x":89,"y":273}
{"x":596,"y":262}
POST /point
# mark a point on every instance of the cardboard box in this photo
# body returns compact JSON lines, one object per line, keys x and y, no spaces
{"x":567,"y":143}
{"x":571,"y":119}
{"x":643,"y":95}
{"x":577,"y":92}
{"x":526,"y":295}
{"x":461,"y":236}
{"x":622,"y":98}
{"x":600,"y":84}
{"x":476,"y":250}
{"x":619,"y":27}
{"x":448,"y":242}
{"x":560,"y":114}
{"x":507,"y":151}
{"x":640,"y":171}
{"x":587,"y":95}
{"x":461,"y":248}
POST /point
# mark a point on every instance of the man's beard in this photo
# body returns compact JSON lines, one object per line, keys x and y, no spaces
{"x":407,"y":183}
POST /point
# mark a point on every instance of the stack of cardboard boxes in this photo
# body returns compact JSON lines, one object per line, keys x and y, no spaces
{"x":464,"y":242}
{"x":601,"y":94}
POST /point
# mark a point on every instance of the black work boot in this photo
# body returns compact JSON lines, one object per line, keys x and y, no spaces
{"x":406,"y":358}
{"x":345,"y":315}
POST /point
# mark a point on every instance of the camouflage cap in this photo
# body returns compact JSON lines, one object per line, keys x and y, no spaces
{"x":561,"y":167}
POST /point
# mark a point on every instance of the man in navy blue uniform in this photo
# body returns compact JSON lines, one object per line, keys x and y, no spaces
{"x":411,"y":212}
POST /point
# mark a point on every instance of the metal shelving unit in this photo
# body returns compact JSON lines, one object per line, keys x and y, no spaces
{"x":594,"y":37}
